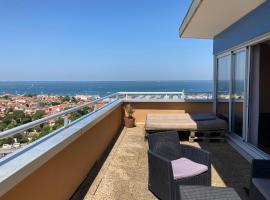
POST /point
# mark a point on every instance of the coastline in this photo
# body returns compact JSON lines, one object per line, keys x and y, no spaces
{"x":101,"y":88}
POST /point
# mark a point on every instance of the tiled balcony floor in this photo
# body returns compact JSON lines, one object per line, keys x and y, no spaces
{"x":124,"y":174}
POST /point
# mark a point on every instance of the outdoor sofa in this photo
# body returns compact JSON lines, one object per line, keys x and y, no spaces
{"x":260,"y":180}
{"x":191,"y":122}
{"x":164,"y":154}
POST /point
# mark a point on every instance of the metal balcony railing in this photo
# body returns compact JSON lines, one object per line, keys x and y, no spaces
{"x":24,"y":127}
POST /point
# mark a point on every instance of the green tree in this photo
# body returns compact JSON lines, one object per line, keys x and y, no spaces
{"x":75,"y":115}
{"x":54,"y":103}
{"x":7,"y":119}
{"x":38,"y":114}
{"x":6,"y":97}
{"x":34,"y":138}
{"x":36,"y":128}
{"x":10,"y":126}
{"x":8,"y":140}
{"x":26,"y":119}
{"x":18,"y":115}
{"x":65,"y":98}
{"x":41,"y":104}
{"x":30,"y":95}
{"x":9,"y":110}
{"x":21,"y":138}
{"x":3,"y":126}
{"x":74,"y":100}
{"x":59,"y":122}
{"x":46,"y":129}
{"x":79,"y":113}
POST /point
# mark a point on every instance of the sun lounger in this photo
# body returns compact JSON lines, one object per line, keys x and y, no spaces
{"x":195,"y":122}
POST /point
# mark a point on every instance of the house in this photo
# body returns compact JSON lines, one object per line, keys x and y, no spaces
{"x":83,"y":97}
{"x":2,"y":108}
{"x":240,"y":31}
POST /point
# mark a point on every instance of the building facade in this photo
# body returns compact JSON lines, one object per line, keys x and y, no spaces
{"x":241,"y":46}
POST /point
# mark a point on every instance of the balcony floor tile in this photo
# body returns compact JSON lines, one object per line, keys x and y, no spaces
{"x":124,"y":174}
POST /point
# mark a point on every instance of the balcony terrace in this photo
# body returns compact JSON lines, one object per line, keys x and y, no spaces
{"x":96,"y":158}
{"x":124,"y":175}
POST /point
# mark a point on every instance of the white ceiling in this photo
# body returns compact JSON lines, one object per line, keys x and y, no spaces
{"x":213,"y":16}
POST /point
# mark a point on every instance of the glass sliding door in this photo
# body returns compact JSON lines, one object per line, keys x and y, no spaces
{"x":238,"y":92}
{"x":230,"y":90}
{"x":223,"y":87}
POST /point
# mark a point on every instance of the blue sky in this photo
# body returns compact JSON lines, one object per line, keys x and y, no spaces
{"x":86,"y":40}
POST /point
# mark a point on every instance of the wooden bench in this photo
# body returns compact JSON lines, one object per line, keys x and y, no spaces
{"x":206,"y":123}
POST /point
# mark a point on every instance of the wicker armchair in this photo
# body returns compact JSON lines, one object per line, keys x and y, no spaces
{"x":260,"y":180}
{"x":163,"y":148}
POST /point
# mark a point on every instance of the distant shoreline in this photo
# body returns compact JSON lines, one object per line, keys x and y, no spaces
{"x":116,"y":81}
{"x":101,"y":88}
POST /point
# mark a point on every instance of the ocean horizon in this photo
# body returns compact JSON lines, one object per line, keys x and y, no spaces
{"x":102,"y":88}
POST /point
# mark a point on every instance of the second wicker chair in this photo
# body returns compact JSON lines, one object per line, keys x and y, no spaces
{"x":165,"y":147}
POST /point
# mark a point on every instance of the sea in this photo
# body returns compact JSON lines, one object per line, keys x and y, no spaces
{"x":103,"y":88}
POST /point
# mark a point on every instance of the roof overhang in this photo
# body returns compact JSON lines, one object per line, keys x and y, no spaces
{"x":208,"y":18}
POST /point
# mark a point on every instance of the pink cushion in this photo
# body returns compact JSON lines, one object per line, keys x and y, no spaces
{"x":183,"y":168}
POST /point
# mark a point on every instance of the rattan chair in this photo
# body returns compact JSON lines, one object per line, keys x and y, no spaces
{"x":260,"y":180}
{"x":165,"y":147}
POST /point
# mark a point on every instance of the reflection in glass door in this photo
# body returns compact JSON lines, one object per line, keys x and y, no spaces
{"x":223,"y":87}
{"x":238,"y":91}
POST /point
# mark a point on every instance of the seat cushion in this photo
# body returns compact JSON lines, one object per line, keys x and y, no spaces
{"x":169,"y":121}
{"x":183,"y":168}
{"x":184,"y":122}
{"x":263,"y":185}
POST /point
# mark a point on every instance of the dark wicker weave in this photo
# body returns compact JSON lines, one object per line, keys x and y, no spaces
{"x":163,"y":148}
{"x":207,"y":193}
{"x":260,"y":171}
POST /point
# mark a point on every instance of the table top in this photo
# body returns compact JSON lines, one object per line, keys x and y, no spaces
{"x":207,"y":193}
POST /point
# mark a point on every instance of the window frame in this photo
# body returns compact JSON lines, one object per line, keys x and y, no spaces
{"x":231,"y":54}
